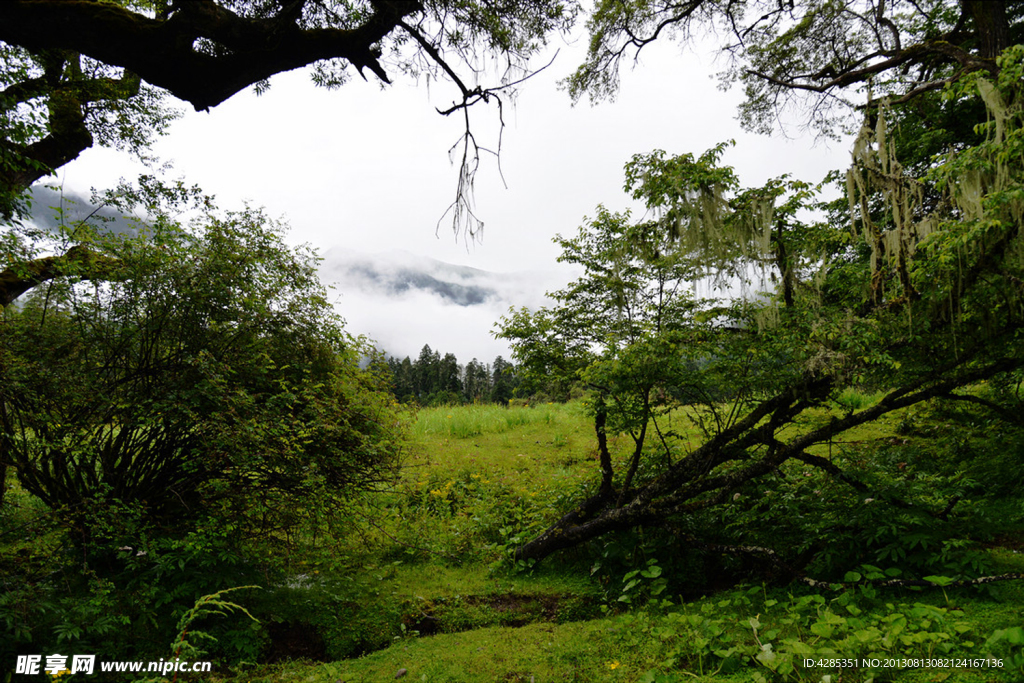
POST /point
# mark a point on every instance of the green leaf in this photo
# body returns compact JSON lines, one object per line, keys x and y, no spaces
{"x":822,"y":629}
{"x":940,"y":580}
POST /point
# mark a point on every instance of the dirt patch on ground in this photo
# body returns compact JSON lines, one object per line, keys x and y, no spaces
{"x":299,"y":639}
{"x":294,"y":640}
{"x":523,"y":609}
{"x":463,"y":613}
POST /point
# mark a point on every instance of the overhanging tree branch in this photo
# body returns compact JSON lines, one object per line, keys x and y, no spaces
{"x":169,"y":53}
{"x":461,"y":208}
{"x":79,"y":261}
{"x":781,"y":49}
{"x":69,"y":95}
{"x":1010,"y":416}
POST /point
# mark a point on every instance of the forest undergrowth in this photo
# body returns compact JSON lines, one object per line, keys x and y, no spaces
{"x":429,"y":590}
{"x":420,"y":582}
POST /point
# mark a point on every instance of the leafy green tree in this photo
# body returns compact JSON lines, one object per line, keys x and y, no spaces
{"x":884,"y":297}
{"x":425,"y":368}
{"x":620,"y":329}
{"x":809,"y":54}
{"x":207,"y":376}
{"x":438,"y":379}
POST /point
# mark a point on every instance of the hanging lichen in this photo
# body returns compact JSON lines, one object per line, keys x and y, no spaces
{"x":984,"y":183}
{"x":690,"y":197}
{"x":767,"y":316}
{"x":876,"y":175}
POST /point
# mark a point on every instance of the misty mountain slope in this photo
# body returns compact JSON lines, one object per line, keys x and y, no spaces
{"x":404,"y":301}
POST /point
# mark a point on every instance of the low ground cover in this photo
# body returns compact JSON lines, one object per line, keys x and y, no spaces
{"x":480,"y":479}
{"x":421,"y":579}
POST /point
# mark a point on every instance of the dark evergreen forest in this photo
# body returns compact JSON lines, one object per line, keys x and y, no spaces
{"x":433,"y":379}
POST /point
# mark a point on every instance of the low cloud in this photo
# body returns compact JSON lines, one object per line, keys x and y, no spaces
{"x":49,"y":208}
{"x":403,"y":301}
{"x":398,"y":299}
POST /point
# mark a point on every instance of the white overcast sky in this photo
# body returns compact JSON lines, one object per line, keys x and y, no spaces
{"x":366,"y":170}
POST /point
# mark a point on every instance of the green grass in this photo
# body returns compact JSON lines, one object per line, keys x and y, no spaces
{"x":465,"y":421}
{"x":481,"y":478}
{"x":420,"y":580}
{"x":546,"y":652}
{"x":424,"y":556}
{"x":669,"y":647}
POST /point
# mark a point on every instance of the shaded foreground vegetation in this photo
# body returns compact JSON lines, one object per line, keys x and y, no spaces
{"x":424,"y":572}
{"x":481,"y":479}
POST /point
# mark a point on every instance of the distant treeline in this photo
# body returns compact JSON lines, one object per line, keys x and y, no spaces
{"x":433,"y":379}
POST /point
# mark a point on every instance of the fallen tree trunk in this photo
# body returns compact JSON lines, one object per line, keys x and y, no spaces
{"x":699,"y":481}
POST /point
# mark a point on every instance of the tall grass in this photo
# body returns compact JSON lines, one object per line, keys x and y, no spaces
{"x":855,"y":399}
{"x":461,"y":422}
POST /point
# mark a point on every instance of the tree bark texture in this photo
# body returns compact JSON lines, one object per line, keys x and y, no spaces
{"x":990,"y":25}
{"x":79,"y":261}
{"x":753,"y":445}
{"x":165,"y":52}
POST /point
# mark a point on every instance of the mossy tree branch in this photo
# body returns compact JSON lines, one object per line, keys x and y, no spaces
{"x":79,"y":261}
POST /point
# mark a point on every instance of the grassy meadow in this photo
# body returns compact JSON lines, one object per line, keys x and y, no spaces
{"x":426,"y":590}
